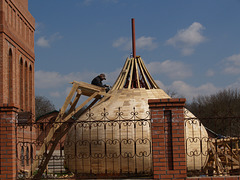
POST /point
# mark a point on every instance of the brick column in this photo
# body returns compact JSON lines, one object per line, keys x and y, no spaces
{"x":8,"y":158}
{"x":168,"y":143}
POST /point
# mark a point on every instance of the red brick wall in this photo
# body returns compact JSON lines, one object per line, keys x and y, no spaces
{"x":17,"y":36}
{"x":216,"y":178}
{"x":169,"y":161}
{"x":7,"y":143}
{"x":17,"y":28}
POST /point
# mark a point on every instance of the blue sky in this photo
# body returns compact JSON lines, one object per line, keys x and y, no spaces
{"x":189,"y":46}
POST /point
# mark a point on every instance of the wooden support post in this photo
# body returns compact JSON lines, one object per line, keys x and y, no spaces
{"x":64,"y":117}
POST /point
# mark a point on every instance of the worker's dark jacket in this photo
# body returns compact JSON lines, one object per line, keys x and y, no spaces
{"x":97,"y":81}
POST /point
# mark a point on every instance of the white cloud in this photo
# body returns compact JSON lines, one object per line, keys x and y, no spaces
{"x":45,"y":42}
{"x":189,"y":91}
{"x":172,"y":69}
{"x":123,"y":43}
{"x":187,"y":39}
{"x":232,"y":64}
{"x":56,"y":85}
{"x":144,"y":43}
{"x":47,"y":80}
{"x":53,"y":80}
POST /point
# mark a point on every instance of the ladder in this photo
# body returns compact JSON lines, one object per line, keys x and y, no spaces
{"x":65,"y":120}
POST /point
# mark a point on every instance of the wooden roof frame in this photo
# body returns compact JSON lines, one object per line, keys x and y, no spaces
{"x":94,"y":93}
{"x":134,"y":74}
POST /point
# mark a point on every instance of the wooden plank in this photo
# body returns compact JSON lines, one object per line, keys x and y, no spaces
{"x":48,"y":156}
{"x":75,"y":101}
{"x":121,"y":75}
{"x":125,"y":75}
{"x":81,"y":106}
{"x":67,"y":101}
{"x":131,"y":73}
{"x":44,"y":147}
{"x":216,"y":158}
{"x":149,"y":76}
{"x":60,"y":115}
{"x":89,"y":89}
{"x":70,"y":115}
{"x":136,"y":65}
{"x":143,"y":74}
{"x":232,"y":159}
{"x":96,"y":91}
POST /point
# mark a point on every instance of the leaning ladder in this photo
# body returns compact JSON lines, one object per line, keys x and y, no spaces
{"x":65,"y":120}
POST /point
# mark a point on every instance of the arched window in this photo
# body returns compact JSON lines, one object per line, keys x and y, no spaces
{"x":30,"y":89}
{"x":21,"y":83}
{"x":22,"y":156}
{"x":26,"y":85}
{"x":31,"y":154}
{"x":10,"y":77}
{"x":27,"y":156}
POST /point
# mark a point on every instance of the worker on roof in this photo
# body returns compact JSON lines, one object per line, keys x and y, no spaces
{"x":98,"y":81}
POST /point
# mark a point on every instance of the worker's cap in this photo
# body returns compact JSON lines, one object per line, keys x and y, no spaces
{"x":103,"y":76}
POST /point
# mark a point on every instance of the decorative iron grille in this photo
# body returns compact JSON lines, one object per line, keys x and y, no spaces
{"x":117,"y":147}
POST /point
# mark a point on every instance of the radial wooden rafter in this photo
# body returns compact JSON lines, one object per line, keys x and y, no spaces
{"x":134,"y":75}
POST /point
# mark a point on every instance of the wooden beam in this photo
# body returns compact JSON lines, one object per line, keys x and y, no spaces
{"x":91,"y":90}
{"x":131,"y":73}
{"x":124,"y":79}
{"x":80,"y":107}
{"x":136,"y":68}
{"x":75,"y":101}
{"x":120,"y":76}
{"x":149,"y":76}
{"x":143,"y":74}
{"x":216,"y":158}
{"x":67,"y":101}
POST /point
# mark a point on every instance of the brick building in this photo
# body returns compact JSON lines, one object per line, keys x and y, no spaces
{"x":17,"y":58}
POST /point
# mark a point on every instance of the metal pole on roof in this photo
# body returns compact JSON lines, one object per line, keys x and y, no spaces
{"x":133,"y":38}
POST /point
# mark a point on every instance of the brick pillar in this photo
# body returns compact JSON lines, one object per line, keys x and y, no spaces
{"x":8,"y":158}
{"x":168,"y":143}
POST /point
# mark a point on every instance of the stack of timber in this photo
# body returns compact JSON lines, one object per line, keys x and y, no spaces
{"x":224,"y":156}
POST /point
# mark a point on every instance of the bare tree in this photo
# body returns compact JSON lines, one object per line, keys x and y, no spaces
{"x":174,"y":94}
{"x":219,"y":112}
{"x":43,"y":106}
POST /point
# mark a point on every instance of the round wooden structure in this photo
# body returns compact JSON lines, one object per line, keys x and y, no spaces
{"x":132,"y":89}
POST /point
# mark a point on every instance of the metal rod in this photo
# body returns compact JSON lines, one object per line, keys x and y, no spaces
{"x":133,"y":39}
